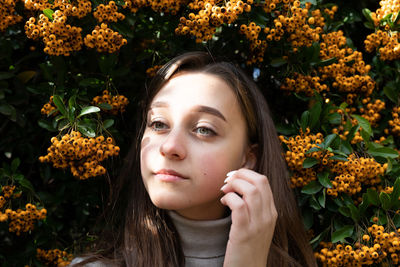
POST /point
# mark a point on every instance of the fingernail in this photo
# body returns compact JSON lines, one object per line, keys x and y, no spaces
{"x":230,"y":173}
{"x":228,"y":176}
{"x":223,"y":187}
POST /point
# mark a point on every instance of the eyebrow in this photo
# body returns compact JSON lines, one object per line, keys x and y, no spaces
{"x":199,"y":108}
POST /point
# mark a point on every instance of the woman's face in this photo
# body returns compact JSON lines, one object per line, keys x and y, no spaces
{"x":195,"y":134}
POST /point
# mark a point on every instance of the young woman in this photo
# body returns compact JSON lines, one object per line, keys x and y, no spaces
{"x":206,"y":183}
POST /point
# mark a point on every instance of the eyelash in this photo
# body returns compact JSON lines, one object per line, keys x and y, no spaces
{"x":152,"y":123}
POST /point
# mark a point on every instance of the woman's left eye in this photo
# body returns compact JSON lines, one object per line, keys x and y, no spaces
{"x":205,"y":131}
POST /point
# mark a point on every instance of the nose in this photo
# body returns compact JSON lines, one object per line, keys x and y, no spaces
{"x":173,"y":147}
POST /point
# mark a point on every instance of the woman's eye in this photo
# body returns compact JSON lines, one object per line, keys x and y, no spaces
{"x":157,"y":125}
{"x":205,"y":131}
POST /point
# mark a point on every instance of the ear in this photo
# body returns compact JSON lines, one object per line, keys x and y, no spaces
{"x":250,"y":160}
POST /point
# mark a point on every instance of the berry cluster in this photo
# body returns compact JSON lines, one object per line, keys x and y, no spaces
{"x":395,"y":122}
{"x":303,"y":29}
{"x":382,"y":246}
{"x":118,"y":103}
{"x":305,"y":84}
{"x":108,"y":13}
{"x":165,"y":6}
{"x":48,"y":108}
{"x":257,"y":46}
{"x":59,"y":38}
{"x":23,"y":220}
{"x":7,"y":192}
{"x":387,"y":7}
{"x":151,"y":72}
{"x":349,"y":74}
{"x":297,"y":153}
{"x":79,"y":10}
{"x":371,"y":111}
{"x":352,"y":174}
{"x":35,"y":5}
{"x":82,"y":155}
{"x":54,"y":257}
{"x":384,"y":39}
{"x":388,"y":44}
{"x":76,"y":8}
{"x":210,"y":16}
{"x":104,"y":39}
{"x":8,"y":15}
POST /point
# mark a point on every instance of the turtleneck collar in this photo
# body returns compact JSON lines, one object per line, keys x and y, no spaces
{"x":202,"y":239}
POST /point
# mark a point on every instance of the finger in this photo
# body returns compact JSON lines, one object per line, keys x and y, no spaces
{"x":240,"y":214}
{"x":251,"y":195}
{"x":259,"y":180}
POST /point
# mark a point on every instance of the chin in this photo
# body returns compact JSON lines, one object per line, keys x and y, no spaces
{"x":166,"y":203}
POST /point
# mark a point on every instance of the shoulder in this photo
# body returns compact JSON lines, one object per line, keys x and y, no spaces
{"x":90,"y":264}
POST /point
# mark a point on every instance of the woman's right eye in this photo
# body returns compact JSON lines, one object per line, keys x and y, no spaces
{"x":157,"y":125}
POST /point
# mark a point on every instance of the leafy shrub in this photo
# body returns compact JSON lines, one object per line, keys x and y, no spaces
{"x":72,"y":71}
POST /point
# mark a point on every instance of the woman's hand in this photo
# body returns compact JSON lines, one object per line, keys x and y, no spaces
{"x":249,"y":196}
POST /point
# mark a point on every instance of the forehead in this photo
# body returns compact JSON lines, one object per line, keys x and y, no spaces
{"x":189,"y":89}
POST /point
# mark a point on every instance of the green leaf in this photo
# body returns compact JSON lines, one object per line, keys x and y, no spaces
{"x":396,"y":220}
{"x":364,"y":204}
{"x":385,"y":200}
{"x":322,"y":198}
{"x":304,"y":121}
{"x":345,"y":211}
{"x":87,"y":131}
{"x":315,"y":113}
{"x":277,"y":62}
{"x":394,"y":196}
{"x":6,"y":109}
{"x":367,"y":14}
{"x":311,"y":188}
{"x":72,"y":102}
{"x":324,"y":180}
{"x":352,"y":132}
{"x":48,"y":13}
{"x":308,"y":218}
{"x":339,"y":157}
{"x":27,"y":185}
{"x":355,"y":214}
{"x":364,"y":124}
{"x":46,"y":125}
{"x":342,"y":233}
{"x":334,"y":118}
{"x":328,"y":140}
{"x":6,"y":75}
{"x":365,"y":136}
{"x":88,"y":110}
{"x":385,"y":152}
{"x":313,"y":203}
{"x":309,"y":162}
{"x":313,"y":149}
{"x":60,"y":105}
{"x":105,"y":106}
{"x":391,"y":93}
{"x":14,"y":164}
{"x":373,"y":197}
{"x":108,"y":123}
{"x":92,"y":82}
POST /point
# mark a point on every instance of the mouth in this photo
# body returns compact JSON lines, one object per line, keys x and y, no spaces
{"x":168,"y":175}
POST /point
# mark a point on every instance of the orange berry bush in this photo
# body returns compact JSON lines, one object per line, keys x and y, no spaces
{"x":73,"y":74}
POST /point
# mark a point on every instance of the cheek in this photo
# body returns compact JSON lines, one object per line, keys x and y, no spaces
{"x":217,"y":163}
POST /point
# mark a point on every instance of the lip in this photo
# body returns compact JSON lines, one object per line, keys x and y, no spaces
{"x":168,"y":175}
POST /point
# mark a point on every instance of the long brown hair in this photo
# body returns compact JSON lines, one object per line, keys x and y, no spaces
{"x":140,"y":234}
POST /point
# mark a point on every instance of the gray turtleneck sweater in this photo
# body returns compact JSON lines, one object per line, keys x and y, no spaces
{"x":203,"y":242}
